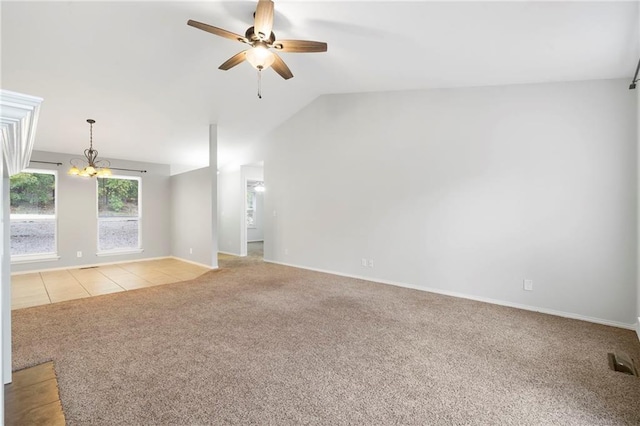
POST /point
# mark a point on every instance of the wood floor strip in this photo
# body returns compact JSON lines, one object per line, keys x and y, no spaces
{"x":29,"y":376}
{"x":32,"y":397}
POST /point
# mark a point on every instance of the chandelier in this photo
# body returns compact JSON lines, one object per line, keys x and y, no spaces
{"x":90,"y":167}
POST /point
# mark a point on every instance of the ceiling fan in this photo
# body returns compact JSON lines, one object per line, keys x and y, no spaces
{"x":262,"y":39}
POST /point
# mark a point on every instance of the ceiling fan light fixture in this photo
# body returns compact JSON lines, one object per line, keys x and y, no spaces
{"x":260,"y":57}
{"x":261,"y":38}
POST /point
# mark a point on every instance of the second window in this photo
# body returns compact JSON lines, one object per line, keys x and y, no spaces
{"x":119,"y":214}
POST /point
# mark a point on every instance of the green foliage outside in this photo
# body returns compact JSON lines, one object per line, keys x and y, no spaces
{"x":117,"y":197}
{"x":32,"y":193}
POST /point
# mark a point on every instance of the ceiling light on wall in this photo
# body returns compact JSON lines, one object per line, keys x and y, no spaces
{"x":259,"y":187}
{"x":90,"y":166}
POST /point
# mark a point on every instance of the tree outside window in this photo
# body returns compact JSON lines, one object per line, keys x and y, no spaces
{"x":118,"y":213}
{"x":33,"y":213}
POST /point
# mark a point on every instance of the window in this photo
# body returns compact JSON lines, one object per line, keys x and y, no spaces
{"x":33,"y":215}
{"x":251,"y":208}
{"x":119,"y":214}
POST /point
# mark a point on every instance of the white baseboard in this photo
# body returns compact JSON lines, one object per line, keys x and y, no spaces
{"x":194,"y":263}
{"x":91,"y":265}
{"x":229,"y":253}
{"x":476,"y":298}
{"x":638,"y":328}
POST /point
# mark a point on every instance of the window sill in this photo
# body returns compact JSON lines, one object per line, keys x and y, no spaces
{"x":16,"y":260}
{"x":119,"y":252}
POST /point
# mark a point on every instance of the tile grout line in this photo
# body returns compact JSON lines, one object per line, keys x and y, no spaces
{"x":72,"y":276}
{"x":112,"y":280}
{"x":83,"y":287}
{"x":135,"y":275}
{"x":142,"y":278}
{"x":159,"y":270}
{"x":45,"y":287}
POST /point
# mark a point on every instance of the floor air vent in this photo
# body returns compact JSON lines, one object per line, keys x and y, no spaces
{"x":89,"y":267}
{"x":623,"y":363}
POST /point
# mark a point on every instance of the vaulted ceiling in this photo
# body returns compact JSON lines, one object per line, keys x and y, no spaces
{"x":152,"y":84}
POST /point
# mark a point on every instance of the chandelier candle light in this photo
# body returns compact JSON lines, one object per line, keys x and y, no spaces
{"x":90,"y":167}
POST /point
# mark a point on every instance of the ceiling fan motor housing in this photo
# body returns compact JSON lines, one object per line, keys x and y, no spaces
{"x":251,"y":35}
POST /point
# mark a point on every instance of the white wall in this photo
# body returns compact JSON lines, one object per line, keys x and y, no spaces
{"x":213,"y":176}
{"x":467,"y":191}
{"x":191,"y":216}
{"x":77,"y":216}
{"x":194,"y":210}
{"x":638,"y":209}
{"x":637,"y":91}
{"x":230,"y":216}
{"x":5,"y":280}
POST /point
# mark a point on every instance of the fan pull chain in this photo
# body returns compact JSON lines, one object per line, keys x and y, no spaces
{"x":259,"y":84}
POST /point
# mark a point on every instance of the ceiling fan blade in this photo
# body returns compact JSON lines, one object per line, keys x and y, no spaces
{"x":236,"y":59}
{"x":281,"y":68}
{"x":264,"y":19}
{"x":217,"y":31}
{"x":300,"y":46}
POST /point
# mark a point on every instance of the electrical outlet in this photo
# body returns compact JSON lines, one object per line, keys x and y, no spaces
{"x":286,"y":251}
{"x":275,"y":213}
{"x":190,"y":251}
{"x":363,"y":262}
{"x":528,"y":285}
{"x":370,"y":263}
{"x":79,"y":253}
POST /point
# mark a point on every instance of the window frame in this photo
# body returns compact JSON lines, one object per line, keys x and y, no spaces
{"x":38,"y":257}
{"x":128,"y":250}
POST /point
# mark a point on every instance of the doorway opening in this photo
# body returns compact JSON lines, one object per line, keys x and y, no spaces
{"x":254,"y":219}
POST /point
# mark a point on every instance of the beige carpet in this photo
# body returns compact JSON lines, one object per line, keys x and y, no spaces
{"x":265,"y":344}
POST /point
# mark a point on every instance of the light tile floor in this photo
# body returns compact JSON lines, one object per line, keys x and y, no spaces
{"x":41,"y":288}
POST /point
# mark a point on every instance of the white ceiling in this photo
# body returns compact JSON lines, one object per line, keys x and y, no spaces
{"x":152,"y":83}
